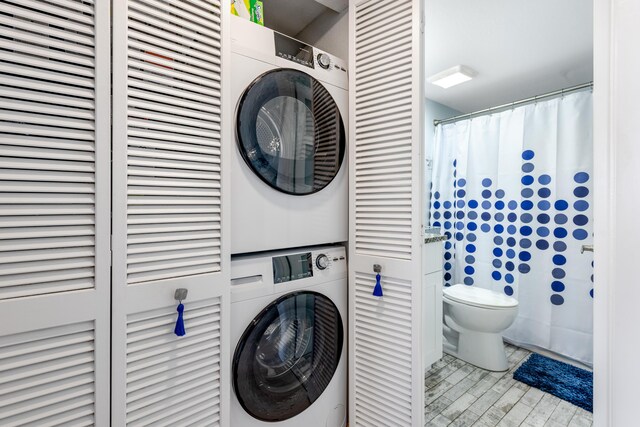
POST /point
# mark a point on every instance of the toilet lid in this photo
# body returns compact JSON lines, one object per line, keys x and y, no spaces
{"x":479,"y":297}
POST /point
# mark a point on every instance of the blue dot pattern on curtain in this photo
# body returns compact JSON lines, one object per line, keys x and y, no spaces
{"x":513,"y":246}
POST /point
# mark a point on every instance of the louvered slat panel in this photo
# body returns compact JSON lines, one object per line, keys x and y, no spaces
{"x":47,"y":377}
{"x":174,"y":381}
{"x":383,"y":122}
{"x":386,"y":382}
{"x":383,"y":339}
{"x":173,"y":129}
{"x":47,"y":146}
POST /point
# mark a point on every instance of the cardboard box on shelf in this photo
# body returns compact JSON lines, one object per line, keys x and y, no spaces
{"x":248,"y":9}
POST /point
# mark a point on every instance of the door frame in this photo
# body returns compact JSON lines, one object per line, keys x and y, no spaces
{"x":602,"y":214}
{"x":616,"y":154}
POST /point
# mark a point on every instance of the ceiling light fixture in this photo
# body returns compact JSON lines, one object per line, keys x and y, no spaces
{"x":452,"y":76}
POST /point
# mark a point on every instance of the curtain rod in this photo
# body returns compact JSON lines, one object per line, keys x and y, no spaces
{"x":514,"y":104}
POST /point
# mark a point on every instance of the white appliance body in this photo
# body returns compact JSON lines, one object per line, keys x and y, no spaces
{"x":253,"y":290}
{"x":264,"y":218}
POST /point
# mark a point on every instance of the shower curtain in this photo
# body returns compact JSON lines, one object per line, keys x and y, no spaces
{"x":513,"y":192}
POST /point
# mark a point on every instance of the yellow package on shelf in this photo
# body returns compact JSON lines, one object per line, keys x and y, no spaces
{"x":248,"y":9}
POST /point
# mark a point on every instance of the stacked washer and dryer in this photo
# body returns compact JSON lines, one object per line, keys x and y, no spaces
{"x":289,"y":210}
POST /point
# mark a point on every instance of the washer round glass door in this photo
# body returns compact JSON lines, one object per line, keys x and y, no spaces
{"x":290,"y":132}
{"x":287,"y":356}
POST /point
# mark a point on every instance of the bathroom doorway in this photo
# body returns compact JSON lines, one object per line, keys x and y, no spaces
{"x":510,"y":176}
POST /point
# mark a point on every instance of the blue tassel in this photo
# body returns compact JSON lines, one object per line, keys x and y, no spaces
{"x":179,"y":331}
{"x":377,"y":290}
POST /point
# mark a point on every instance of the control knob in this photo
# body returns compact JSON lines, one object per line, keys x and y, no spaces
{"x":324,"y":60}
{"x":322,"y":262}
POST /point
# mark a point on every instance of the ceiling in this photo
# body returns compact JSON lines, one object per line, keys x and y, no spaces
{"x":291,"y":16}
{"x":520,"y":48}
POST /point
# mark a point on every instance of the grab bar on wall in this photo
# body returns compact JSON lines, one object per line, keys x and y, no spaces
{"x":586,"y":248}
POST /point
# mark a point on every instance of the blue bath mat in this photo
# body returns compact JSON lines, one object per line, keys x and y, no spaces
{"x":565,"y":381}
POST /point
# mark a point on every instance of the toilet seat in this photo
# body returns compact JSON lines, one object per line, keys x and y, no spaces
{"x":478,"y":297}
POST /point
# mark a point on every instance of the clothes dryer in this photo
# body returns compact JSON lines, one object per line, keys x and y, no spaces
{"x":289,"y":171}
{"x":288,"y":326}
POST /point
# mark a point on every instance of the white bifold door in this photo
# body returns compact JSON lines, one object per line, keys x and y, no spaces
{"x":54,"y":212}
{"x":386,"y":379}
{"x":169,"y":213}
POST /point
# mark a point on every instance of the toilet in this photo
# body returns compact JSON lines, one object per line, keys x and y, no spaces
{"x":474,"y":319}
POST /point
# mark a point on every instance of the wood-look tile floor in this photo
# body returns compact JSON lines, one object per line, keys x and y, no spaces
{"x":460,"y":394}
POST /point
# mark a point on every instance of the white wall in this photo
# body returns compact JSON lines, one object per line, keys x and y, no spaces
{"x":433,"y":111}
{"x":329,"y":32}
{"x":617,"y":233}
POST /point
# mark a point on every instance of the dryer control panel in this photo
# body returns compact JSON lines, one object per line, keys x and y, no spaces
{"x":261,"y":43}
{"x":294,"y":50}
{"x":304,"y":54}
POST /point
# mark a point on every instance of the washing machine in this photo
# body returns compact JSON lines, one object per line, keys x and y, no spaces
{"x":289,"y":169}
{"x":288,"y":326}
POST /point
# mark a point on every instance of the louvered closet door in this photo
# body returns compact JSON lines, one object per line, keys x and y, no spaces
{"x":54,"y":212}
{"x":386,"y":99}
{"x":169,"y":213}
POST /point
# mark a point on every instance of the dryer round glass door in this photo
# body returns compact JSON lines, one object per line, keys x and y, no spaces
{"x":290,"y":132}
{"x":287,"y":356}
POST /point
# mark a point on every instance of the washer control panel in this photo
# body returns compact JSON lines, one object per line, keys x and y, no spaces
{"x":322,"y":261}
{"x":292,"y":267}
{"x":303,"y":265}
{"x":330,"y":260}
{"x":266,"y":273}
